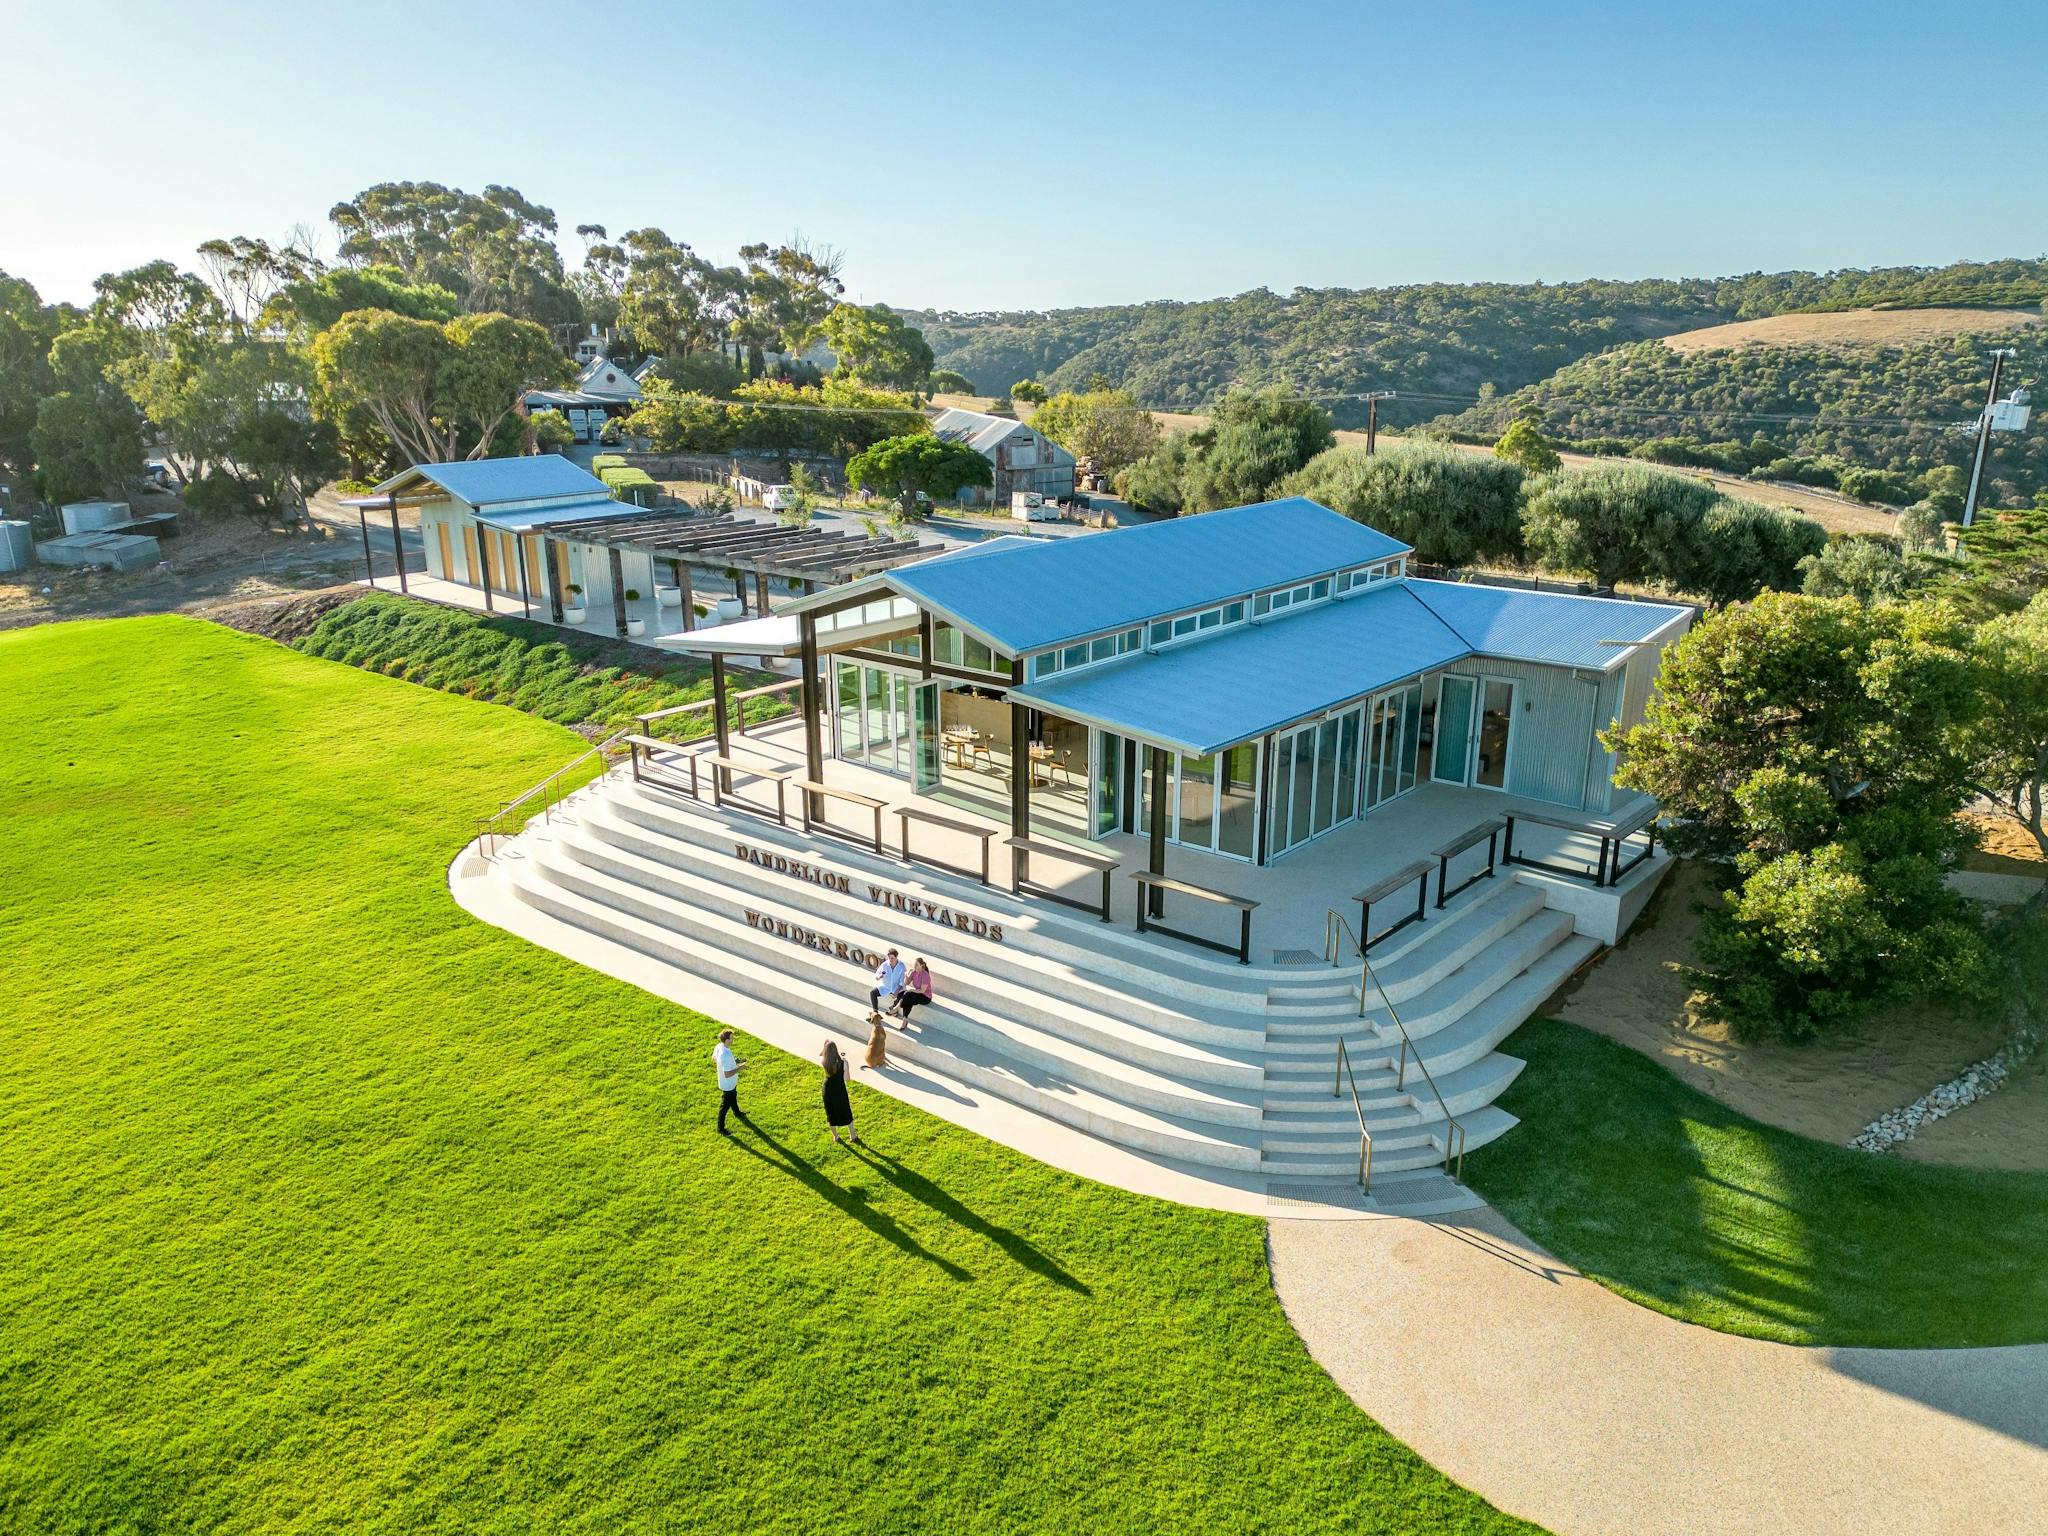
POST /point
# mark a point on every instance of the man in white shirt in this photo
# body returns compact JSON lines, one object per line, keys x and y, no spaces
{"x":888,"y":982}
{"x":729,"y":1067}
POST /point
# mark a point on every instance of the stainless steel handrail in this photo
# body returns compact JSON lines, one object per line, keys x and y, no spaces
{"x":1455,"y":1139}
{"x":490,"y":828}
{"x":1364,"y":1134}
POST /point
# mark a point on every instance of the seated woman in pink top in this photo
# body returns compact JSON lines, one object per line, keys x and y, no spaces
{"x":917,"y":988}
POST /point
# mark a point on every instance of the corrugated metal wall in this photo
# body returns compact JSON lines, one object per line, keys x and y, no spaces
{"x":1554,"y":721}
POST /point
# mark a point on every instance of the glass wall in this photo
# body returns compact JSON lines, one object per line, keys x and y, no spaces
{"x":872,"y":721}
{"x":1334,"y":771}
{"x":1109,"y":783}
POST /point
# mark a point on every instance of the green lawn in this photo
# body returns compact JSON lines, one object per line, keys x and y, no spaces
{"x":560,"y":675}
{"x":324,"y":1207}
{"x":1678,"y":1202}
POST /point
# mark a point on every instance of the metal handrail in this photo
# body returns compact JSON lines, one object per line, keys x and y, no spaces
{"x":1364,"y":1133}
{"x":1331,"y":926}
{"x":490,"y":828}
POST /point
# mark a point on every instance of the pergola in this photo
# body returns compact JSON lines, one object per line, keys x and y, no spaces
{"x":815,"y":557}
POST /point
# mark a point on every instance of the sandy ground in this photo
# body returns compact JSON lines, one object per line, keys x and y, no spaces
{"x":1828,"y":1090}
{"x":1852,"y":328}
{"x":2008,"y":849}
{"x":224,"y":562}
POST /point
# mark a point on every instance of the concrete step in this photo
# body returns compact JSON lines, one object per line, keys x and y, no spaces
{"x":932,"y":1045}
{"x":1305,"y":1109}
{"x":674,"y":895}
{"x":1498,"y":1016}
{"x":1111,"y":951}
{"x":666,"y":862}
{"x":1445,"y":1001}
{"x":1022,"y":1042}
{"x":1391,"y":1153}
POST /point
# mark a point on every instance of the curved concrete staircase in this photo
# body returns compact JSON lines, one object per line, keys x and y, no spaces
{"x":1216,"y":1069}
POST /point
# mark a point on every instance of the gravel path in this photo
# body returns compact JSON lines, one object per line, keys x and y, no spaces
{"x":1565,"y":1404}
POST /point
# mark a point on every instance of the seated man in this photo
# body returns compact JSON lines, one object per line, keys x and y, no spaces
{"x":888,"y":985}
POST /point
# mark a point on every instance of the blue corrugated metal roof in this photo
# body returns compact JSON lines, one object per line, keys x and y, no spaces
{"x":1551,"y":627}
{"x":1241,"y":683}
{"x":480,"y":482}
{"x":1030,"y":594}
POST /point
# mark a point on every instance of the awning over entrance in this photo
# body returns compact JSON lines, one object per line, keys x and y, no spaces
{"x":775,"y":635}
{"x":1208,"y":694}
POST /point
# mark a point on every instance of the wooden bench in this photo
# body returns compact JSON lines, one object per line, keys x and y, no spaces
{"x":722,"y":770}
{"x":1021,"y":883}
{"x":657,"y":753}
{"x":1155,"y":887}
{"x":739,"y":714}
{"x":1490,"y":830}
{"x":1614,"y":836}
{"x":906,"y":814}
{"x":809,"y":787}
{"x":1416,"y":874}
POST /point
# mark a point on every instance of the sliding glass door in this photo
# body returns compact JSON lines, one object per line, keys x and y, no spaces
{"x":876,"y":722}
{"x":1212,"y":802}
{"x":1475,"y":731}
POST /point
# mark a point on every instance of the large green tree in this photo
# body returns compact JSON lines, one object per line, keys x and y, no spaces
{"x":874,"y":346}
{"x":2013,"y":654}
{"x":1617,"y":522}
{"x":1107,"y":427}
{"x":28,"y":327}
{"x":1454,"y":508}
{"x":904,"y":466}
{"x":495,"y":250}
{"x":1823,"y":749}
{"x":438,"y":392}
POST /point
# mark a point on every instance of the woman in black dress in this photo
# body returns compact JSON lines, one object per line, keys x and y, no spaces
{"x":838,"y":1107}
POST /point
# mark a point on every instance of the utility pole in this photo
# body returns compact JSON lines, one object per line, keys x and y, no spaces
{"x":1998,"y":357}
{"x":1372,"y":416}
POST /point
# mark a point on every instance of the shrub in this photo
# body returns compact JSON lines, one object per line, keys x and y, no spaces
{"x":1618,"y":522}
{"x":1453,"y":507}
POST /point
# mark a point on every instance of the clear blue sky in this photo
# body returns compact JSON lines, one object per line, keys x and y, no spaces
{"x":1052,"y":154}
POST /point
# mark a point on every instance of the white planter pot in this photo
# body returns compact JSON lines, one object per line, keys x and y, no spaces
{"x":636,"y":627}
{"x":574,"y":613}
{"x":669,"y":597}
{"x":728,"y":608}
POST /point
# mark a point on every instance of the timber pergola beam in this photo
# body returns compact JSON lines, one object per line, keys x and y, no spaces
{"x":758,"y":549}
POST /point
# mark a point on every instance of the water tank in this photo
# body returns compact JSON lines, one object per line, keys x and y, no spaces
{"x":15,"y":546}
{"x":91,"y":516}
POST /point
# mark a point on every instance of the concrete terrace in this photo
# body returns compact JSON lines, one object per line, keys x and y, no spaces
{"x":1295,"y":894}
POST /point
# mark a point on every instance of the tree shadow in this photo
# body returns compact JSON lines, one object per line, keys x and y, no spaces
{"x":921,"y":1189}
{"x":850,"y":1201}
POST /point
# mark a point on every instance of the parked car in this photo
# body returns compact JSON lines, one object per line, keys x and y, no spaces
{"x":779,"y":498}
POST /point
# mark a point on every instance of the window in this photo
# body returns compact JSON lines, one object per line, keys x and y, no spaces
{"x":1321,"y":589}
{"x":1130,"y":640}
{"x":1261,"y":604}
{"x":1184,"y":625}
{"x":1102,"y":647}
{"x":1234,"y":613}
{"x":1210,"y":619}
{"x":1162,"y":631}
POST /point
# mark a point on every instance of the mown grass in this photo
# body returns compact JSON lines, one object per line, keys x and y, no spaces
{"x":326,"y":1207}
{"x":559,"y":675}
{"x":1678,"y":1202}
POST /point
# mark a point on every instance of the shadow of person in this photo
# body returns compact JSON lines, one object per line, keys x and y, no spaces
{"x":850,"y":1201}
{"x":925,"y":1192}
